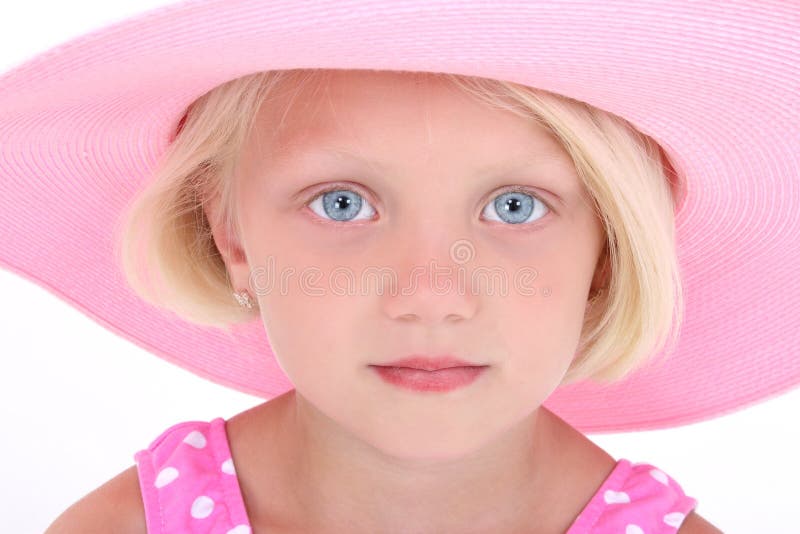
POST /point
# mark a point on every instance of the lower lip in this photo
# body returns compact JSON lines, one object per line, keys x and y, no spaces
{"x":421,"y":380}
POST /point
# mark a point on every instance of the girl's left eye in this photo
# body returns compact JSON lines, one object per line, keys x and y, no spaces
{"x":341,"y":204}
{"x":515,"y":207}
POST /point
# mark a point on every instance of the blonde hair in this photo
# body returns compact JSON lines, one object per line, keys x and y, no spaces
{"x":164,"y":232}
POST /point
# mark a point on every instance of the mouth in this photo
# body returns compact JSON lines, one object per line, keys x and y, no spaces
{"x":430,"y":363}
{"x":439,"y":380}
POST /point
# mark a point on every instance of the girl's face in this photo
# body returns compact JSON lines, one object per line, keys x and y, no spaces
{"x":422,"y":173}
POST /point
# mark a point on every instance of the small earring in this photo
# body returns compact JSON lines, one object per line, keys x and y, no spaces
{"x":244,"y":300}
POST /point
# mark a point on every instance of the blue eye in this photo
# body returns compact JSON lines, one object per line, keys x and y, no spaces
{"x":340,"y":205}
{"x":344,"y":205}
{"x":514,"y":207}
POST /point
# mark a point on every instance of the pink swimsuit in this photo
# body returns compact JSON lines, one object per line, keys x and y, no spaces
{"x":189,"y":485}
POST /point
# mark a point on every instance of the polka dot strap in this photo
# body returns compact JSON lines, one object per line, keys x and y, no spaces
{"x":635,"y":499}
{"x":188,"y":481}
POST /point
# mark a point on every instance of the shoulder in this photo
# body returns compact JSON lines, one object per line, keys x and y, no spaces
{"x":116,"y":506}
{"x":695,"y":524}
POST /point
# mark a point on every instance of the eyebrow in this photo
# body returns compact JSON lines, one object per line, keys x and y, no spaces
{"x":332,"y":150}
{"x":522,"y":160}
{"x":553,"y":188}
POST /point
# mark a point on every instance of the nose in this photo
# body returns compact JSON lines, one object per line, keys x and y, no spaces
{"x":433,"y":283}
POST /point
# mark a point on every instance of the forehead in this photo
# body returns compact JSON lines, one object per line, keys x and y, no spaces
{"x":387,"y":115}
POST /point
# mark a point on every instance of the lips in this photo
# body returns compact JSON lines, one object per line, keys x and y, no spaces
{"x":440,"y":381}
{"x":430,"y":363}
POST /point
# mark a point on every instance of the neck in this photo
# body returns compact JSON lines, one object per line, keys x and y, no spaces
{"x":333,"y":473}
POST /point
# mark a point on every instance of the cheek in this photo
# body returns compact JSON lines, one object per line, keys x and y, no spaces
{"x":535,"y":335}
{"x":311,"y":334}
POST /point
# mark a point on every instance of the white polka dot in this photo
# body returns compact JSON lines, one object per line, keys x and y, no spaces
{"x":660,"y":476}
{"x":674,"y":519}
{"x":165,"y":476}
{"x":227,"y":467}
{"x":196,"y":439}
{"x":612,"y":497}
{"x":239,"y":529}
{"x":202,"y":507}
{"x":634,"y":529}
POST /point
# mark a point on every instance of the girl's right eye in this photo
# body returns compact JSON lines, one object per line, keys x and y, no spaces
{"x":340,"y":204}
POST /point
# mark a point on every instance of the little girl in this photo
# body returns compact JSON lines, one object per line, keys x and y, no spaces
{"x":438,"y":282}
{"x":417,"y":404}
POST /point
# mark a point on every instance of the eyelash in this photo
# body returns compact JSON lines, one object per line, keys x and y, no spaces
{"x":354,"y":189}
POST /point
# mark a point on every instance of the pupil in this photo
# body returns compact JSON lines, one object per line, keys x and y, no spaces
{"x":343,"y":200}
{"x":513,"y":204}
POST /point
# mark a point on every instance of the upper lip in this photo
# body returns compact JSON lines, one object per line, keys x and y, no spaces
{"x":430,"y":363}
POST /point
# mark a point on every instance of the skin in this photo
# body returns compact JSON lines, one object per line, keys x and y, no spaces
{"x":344,"y":440}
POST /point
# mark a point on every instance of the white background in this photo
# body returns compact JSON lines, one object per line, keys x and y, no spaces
{"x":77,"y":401}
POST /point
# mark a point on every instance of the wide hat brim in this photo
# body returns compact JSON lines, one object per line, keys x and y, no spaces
{"x":83,"y":125}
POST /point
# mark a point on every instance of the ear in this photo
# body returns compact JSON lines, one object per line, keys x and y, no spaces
{"x":602,"y":271}
{"x":229,"y":246}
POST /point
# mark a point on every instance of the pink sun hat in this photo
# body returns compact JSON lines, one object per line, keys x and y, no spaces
{"x":83,"y":126}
